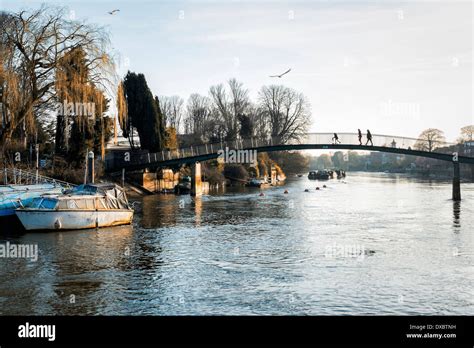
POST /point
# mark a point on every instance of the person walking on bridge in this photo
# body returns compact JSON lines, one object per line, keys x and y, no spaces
{"x":335,"y":139}
{"x":360,"y":137}
{"x":369,"y":138}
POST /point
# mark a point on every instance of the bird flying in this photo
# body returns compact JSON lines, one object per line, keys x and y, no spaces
{"x":279,"y":76}
{"x":113,"y":11}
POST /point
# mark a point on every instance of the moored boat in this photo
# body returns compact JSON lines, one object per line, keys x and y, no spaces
{"x":340,"y":174}
{"x":15,"y":196}
{"x":184,"y":186}
{"x":318,"y":175}
{"x":86,"y":206}
{"x":254,"y":182}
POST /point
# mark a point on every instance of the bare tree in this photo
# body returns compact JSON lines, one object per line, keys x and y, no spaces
{"x":260,"y":125}
{"x":198,"y":113}
{"x":35,"y":42}
{"x":430,"y":139}
{"x":228,"y":105}
{"x":253,"y":123}
{"x":467,"y":134}
{"x":165,"y":106}
{"x":173,"y":109}
{"x":286,"y":111}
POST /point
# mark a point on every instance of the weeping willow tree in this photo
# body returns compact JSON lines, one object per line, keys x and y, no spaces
{"x":71,"y":87}
{"x":34,"y":44}
{"x":80,"y":121}
{"x":122,"y":111}
{"x":11,"y":87}
{"x":11,"y":96}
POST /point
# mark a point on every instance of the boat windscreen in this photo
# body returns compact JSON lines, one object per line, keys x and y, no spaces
{"x":42,"y":203}
{"x":48,"y":203}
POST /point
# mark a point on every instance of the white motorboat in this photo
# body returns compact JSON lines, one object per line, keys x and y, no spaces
{"x":86,"y":206}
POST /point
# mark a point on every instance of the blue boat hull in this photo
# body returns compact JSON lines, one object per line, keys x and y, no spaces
{"x":14,"y":196}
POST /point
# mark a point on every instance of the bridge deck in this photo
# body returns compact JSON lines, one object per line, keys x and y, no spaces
{"x":348,"y":141}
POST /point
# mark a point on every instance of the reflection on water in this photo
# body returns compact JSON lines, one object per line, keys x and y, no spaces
{"x":72,"y":265}
{"x":155,"y":216}
{"x":197,"y":201}
{"x":241,"y":253}
{"x":456,"y":215}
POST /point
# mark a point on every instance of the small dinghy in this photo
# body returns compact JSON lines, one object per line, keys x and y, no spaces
{"x":86,"y":206}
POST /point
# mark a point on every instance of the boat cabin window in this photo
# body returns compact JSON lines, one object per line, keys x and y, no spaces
{"x":35,"y":203}
{"x":89,"y":203}
{"x":67,"y":204}
{"x":82,"y":204}
{"x":86,"y":204}
{"x":43,"y":203}
{"x":48,"y":203}
{"x":71,"y":204}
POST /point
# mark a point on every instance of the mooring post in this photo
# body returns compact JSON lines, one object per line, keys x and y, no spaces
{"x":90,"y":166}
{"x":456,"y":182}
{"x":37,"y":162}
{"x":86,"y":171}
{"x":196,"y":184}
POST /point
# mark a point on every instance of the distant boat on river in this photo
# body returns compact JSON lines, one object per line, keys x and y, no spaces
{"x":318,"y":175}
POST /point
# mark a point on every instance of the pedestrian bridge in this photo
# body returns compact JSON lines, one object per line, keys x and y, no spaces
{"x":443,"y":151}
{"x":127,"y":160}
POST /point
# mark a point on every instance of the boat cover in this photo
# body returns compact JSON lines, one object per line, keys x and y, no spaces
{"x":14,"y":196}
{"x":114,"y":196}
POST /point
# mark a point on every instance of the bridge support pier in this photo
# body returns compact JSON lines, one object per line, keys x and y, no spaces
{"x":196,"y":183}
{"x":273,"y":175}
{"x":456,"y":182}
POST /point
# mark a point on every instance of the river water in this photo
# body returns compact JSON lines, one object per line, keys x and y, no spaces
{"x":371,"y":244}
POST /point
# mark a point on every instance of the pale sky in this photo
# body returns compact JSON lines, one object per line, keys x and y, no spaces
{"x":393,"y":67}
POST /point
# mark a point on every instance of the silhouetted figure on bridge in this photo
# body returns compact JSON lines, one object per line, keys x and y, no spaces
{"x":360,"y":137}
{"x":369,"y":138}
{"x":335,"y":139}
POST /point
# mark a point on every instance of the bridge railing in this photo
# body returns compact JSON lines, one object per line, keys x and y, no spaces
{"x":310,"y":138}
{"x":377,"y":140}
